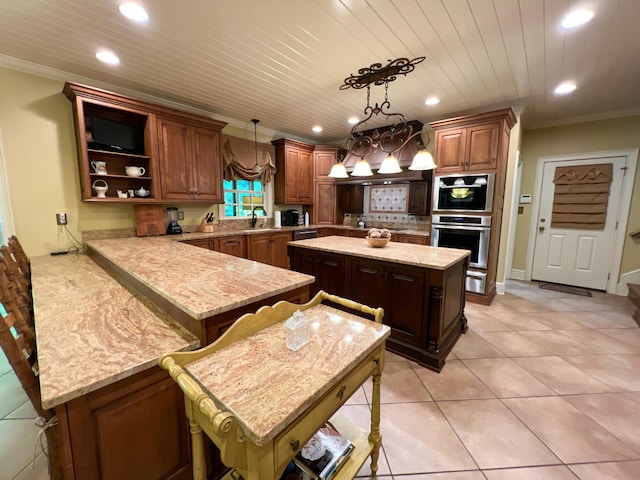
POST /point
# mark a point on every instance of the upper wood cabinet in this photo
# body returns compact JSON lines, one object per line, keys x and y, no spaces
{"x":293,"y":182}
{"x":419,"y":198}
{"x":349,"y":199}
{"x":190,"y":161}
{"x":176,"y":154}
{"x":471,"y":143}
{"x":323,"y":211}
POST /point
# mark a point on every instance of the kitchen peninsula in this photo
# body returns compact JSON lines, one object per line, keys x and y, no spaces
{"x":100,"y":337}
{"x":205,"y":291}
{"x":421,"y":289}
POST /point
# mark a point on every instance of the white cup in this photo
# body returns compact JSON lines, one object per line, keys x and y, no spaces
{"x":133,"y":171}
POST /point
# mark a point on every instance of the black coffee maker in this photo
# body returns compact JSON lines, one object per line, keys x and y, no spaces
{"x":290,"y":218}
{"x":173,"y":228}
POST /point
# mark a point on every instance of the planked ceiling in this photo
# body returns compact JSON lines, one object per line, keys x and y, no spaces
{"x":283,"y":61}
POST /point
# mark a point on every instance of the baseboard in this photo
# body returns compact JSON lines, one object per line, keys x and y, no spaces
{"x":501,"y":288}
{"x":630,"y":277}
{"x":517,"y":274}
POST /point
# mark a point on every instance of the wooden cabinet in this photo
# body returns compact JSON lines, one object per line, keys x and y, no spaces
{"x":293,"y":183}
{"x":207,"y":243}
{"x":408,"y":238}
{"x":349,"y":199}
{"x":114,"y":132}
{"x":270,"y":248}
{"x":113,"y":432}
{"x":328,"y":269}
{"x":323,"y":211}
{"x":359,"y":233}
{"x":190,"y":161}
{"x":471,"y":143}
{"x":177,"y":154}
{"x":419,"y":198}
{"x":235,"y":246}
{"x":324,"y":205}
{"x":478,"y":143}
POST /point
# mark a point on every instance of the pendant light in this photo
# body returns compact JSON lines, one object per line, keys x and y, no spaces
{"x":390,"y":165}
{"x":423,"y":160}
{"x":362,"y":169}
{"x":256,"y":167}
{"x":338,"y":170}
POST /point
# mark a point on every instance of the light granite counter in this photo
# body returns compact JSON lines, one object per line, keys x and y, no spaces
{"x":436,"y":258}
{"x":251,"y":378}
{"x":93,"y":331}
{"x":199,"y":282}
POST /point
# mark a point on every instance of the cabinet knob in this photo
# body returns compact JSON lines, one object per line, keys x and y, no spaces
{"x":295,"y":445}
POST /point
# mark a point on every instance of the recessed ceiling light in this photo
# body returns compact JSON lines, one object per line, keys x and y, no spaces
{"x":108,"y":57}
{"x":317,"y":129}
{"x":564,"y":88}
{"x":432,"y":101}
{"x":353,"y":120}
{"x":134,"y":11}
{"x":577,"y":17}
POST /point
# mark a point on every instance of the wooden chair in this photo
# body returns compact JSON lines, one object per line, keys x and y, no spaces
{"x":19,"y":349}
{"x":21,"y":257}
{"x":11,"y":269}
{"x":13,"y":301}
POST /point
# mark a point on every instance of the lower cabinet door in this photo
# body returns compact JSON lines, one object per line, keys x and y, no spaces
{"x":135,"y":428}
{"x":367,"y":284}
{"x":259,"y":248}
{"x":403,"y":305}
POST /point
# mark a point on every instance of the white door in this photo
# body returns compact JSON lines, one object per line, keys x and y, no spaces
{"x":569,"y":256}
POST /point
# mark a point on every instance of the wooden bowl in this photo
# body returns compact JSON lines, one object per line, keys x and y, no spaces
{"x":378,"y":242}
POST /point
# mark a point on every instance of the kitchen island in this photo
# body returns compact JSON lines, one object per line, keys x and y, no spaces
{"x":203,"y":290}
{"x":421,"y":289}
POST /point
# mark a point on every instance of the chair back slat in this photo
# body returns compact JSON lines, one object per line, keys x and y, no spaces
{"x":17,"y":353}
{"x":14,"y":302}
{"x":11,"y":269}
{"x":21,"y":257}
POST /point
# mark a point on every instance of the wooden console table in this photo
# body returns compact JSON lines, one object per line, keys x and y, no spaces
{"x":260,"y":402}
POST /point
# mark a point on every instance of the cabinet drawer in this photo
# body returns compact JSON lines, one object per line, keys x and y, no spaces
{"x":289,"y":442}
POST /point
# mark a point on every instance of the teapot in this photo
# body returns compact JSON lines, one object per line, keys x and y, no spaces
{"x":101,"y":191}
{"x":133,"y":171}
{"x":142,"y":192}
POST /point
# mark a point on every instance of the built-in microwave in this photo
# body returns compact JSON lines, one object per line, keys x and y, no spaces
{"x":464,"y":193}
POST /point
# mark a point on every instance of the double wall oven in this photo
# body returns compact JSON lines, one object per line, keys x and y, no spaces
{"x":462,"y":219}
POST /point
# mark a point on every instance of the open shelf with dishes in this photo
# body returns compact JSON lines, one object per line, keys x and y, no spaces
{"x":115,"y":139}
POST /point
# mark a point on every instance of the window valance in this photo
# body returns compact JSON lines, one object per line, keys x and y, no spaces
{"x":239,"y":158}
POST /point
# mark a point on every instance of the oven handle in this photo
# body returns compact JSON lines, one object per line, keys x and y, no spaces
{"x":441,"y":226}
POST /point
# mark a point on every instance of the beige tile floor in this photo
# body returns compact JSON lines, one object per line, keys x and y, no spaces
{"x":544,"y":386}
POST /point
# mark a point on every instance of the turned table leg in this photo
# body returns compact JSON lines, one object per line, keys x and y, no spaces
{"x":374,"y":434}
{"x":197,"y":447}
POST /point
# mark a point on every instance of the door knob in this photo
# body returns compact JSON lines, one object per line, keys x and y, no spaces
{"x":541,"y":229}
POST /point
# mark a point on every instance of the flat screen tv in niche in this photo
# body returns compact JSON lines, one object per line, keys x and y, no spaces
{"x":115,"y":136}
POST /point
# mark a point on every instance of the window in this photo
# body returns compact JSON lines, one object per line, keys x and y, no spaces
{"x":242,"y":196}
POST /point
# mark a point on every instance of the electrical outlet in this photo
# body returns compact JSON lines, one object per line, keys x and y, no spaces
{"x":61,"y":218}
{"x":180,"y":215}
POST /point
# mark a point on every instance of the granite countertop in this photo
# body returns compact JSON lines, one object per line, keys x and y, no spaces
{"x":266,"y":385}
{"x":437,"y":258}
{"x":218,"y":233}
{"x":200,"y":282}
{"x":93,"y":331}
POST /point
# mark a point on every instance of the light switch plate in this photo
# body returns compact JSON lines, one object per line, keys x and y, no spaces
{"x":525,"y":198}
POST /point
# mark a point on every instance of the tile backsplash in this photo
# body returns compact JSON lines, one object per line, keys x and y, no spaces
{"x":386,"y":206}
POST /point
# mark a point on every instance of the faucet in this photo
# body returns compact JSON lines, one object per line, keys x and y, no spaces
{"x":254,"y":219}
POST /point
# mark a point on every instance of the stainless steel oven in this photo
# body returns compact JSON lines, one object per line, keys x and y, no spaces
{"x":470,"y":232}
{"x":464,"y":193}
